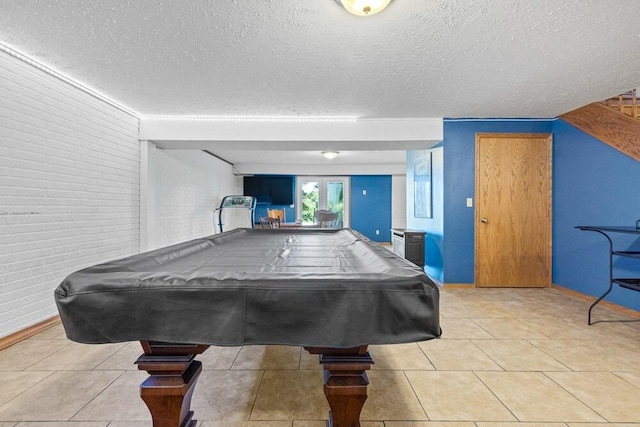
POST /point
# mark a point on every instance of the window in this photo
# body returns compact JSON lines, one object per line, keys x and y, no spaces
{"x":322,"y":193}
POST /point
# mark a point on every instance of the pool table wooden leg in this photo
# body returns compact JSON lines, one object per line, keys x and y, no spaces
{"x":173,"y":373}
{"x":345,"y":382}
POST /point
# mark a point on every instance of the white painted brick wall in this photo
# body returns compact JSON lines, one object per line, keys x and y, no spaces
{"x":69,"y":188}
{"x":188,"y":187}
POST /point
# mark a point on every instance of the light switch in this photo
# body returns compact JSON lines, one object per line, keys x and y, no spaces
{"x":469,"y":202}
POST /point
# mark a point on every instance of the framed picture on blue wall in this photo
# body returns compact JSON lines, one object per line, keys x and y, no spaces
{"x":422,"y":187}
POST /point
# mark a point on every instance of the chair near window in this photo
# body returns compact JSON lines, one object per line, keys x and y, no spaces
{"x":277,"y":213}
{"x":326,"y":219}
{"x":269,"y":222}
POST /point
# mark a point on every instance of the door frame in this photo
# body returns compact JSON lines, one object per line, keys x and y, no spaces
{"x":477,"y":213}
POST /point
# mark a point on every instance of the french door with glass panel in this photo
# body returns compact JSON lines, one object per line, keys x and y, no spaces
{"x":322,"y":193}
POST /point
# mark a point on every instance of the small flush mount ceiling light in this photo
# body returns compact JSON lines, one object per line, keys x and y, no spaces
{"x":330,"y":154}
{"x":364,"y":7}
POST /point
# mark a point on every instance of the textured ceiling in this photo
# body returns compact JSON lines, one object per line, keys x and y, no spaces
{"x":419,"y":58}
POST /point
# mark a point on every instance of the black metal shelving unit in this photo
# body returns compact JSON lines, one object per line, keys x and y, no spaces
{"x":625,"y":282}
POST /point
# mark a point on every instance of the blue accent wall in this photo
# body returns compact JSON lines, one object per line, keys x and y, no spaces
{"x":593,"y":184}
{"x":450,"y":234}
{"x":459,"y":184}
{"x":434,"y":251}
{"x":372,"y":211}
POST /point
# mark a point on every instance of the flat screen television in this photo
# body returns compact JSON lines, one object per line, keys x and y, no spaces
{"x":271,"y":189}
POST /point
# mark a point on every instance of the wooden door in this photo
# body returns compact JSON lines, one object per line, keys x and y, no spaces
{"x":513,"y":210}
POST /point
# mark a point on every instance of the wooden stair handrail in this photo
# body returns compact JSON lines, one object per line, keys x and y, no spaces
{"x":621,"y":103}
{"x":626,"y":103}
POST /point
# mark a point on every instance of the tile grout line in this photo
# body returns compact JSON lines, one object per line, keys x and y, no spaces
{"x":255,"y":399}
{"x":28,"y":388}
{"x":426,"y":414}
{"x":97,"y":394}
{"x":576,"y":397}
{"x":496,"y":396}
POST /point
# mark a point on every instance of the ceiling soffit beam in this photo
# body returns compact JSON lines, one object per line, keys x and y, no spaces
{"x":299,"y":130}
{"x":320,"y":169}
{"x":316,"y":145}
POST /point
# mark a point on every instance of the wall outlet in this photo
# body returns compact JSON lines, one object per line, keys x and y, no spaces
{"x":377,"y":232}
{"x":364,"y":192}
{"x":469,"y":202}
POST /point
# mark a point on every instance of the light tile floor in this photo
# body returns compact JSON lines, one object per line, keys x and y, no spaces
{"x":507,"y":358}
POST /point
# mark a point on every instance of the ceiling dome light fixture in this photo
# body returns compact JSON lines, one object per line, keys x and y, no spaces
{"x":330,"y":154}
{"x":364,"y":7}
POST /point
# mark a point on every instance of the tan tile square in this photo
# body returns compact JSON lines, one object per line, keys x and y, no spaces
{"x":563,"y":328}
{"x":77,"y":357}
{"x":609,"y":330}
{"x":123,"y":359}
{"x":58,"y":397}
{"x":519,"y":355}
{"x":241,"y":423}
{"x":53,"y":333}
{"x":548,"y":304}
{"x":310,"y":361}
{"x":457,"y":355}
{"x":399,"y":356}
{"x":607,"y":394}
{"x":226,"y":395}
{"x":505,"y":329}
{"x":391,"y":398}
{"x":218,"y":358}
{"x":15,"y":382}
{"x":62,"y":424}
{"x":291,"y":395}
{"x":456,"y":396}
{"x":521,"y":424}
{"x":625,"y":350}
{"x":604,"y":424}
{"x":605,"y":316}
{"x":461,"y":328}
{"x":7,"y":424}
{"x":120,"y":401}
{"x":532,"y":396}
{"x":132,"y":424}
{"x":24,"y":354}
{"x":323,"y":423}
{"x":585,"y":355}
{"x":631,"y":377}
{"x":467,"y":308}
{"x":429,"y":424}
{"x":267,"y":357}
{"x":634,"y":323}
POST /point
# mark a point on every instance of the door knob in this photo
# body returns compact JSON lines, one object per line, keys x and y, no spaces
{"x":484,"y":220}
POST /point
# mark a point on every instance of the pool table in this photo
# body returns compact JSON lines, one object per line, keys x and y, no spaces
{"x":331,"y":291}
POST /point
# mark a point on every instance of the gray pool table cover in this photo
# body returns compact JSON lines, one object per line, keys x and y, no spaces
{"x":322,"y":288}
